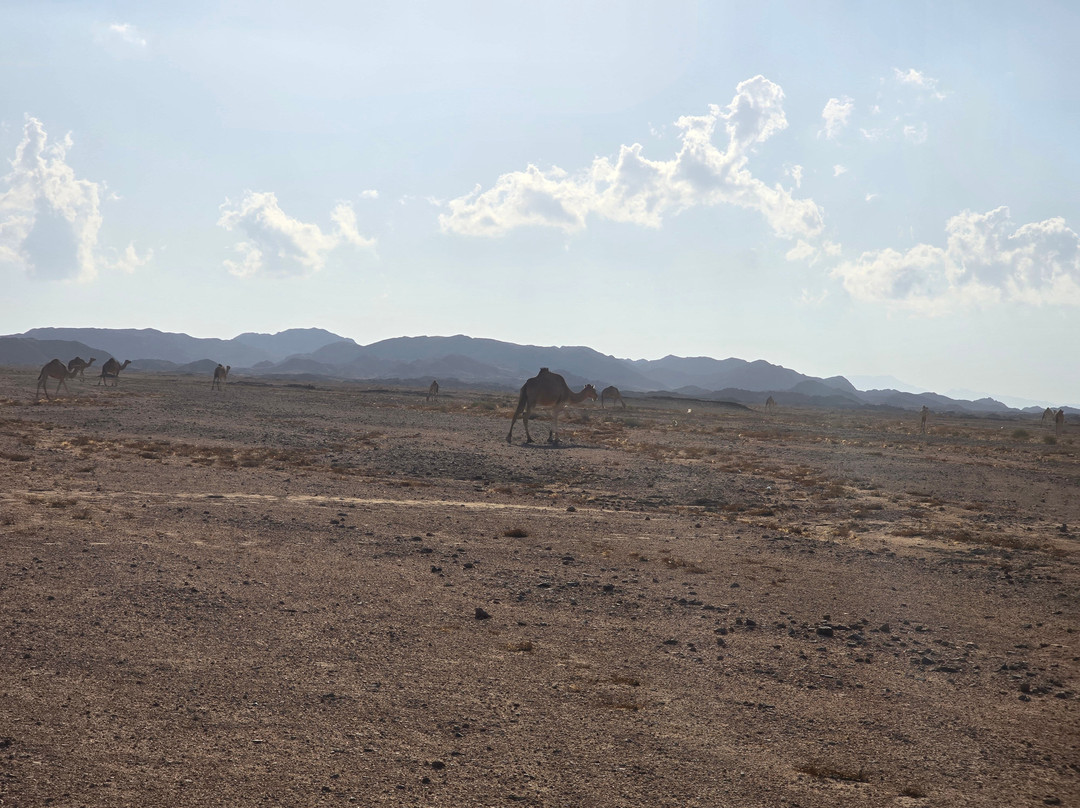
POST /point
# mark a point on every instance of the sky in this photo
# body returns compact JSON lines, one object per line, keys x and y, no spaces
{"x":867,"y":189}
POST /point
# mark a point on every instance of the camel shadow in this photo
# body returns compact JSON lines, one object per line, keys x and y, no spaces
{"x":559,"y":444}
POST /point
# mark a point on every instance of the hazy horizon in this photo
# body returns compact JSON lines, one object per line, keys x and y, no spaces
{"x":860,"y":381}
{"x":847,"y":189}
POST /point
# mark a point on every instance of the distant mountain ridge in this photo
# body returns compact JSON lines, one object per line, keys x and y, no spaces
{"x":315,"y":353}
{"x":149,"y":343}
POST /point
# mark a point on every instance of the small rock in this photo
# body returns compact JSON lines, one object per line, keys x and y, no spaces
{"x":481,"y":614}
{"x":571,"y":509}
{"x":824,"y":631}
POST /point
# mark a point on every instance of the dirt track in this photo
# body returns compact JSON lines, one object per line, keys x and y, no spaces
{"x":269,"y":596}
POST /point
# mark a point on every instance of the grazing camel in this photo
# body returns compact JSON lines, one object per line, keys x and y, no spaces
{"x":432,"y":392}
{"x":546,"y":389}
{"x":111,"y":370}
{"x":77,"y":366}
{"x":613,"y":394}
{"x":922,"y":418}
{"x":1059,"y":422}
{"x":770,"y":404}
{"x":53,"y":370}
{"x":221,"y":373}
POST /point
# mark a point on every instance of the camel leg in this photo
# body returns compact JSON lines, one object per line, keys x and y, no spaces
{"x":554,"y":426}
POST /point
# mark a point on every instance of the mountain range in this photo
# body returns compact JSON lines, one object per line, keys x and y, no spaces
{"x":313,"y":353}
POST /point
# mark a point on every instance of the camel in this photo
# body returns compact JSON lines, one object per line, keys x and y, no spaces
{"x":546,"y":389}
{"x":432,"y":392}
{"x":922,"y":419}
{"x":1059,"y":422}
{"x":770,"y":404}
{"x":111,"y":370}
{"x":1048,"y":416}
{"x":54,"y":370}
{"x":221,"y":373}
{"x":613,"y":394}
{"x":77,"y":366}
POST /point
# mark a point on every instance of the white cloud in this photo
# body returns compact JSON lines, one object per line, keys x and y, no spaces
{"x":130,"y":260}
{"x":914,"y":77}
{"x":276,"y":244}
{"x":127,"y":33}
{"x":915,"y":133}
{"x":986,"y":260}
{"x":811,"y":300}
{"x":836,"y":114}
{"x":813,"y":253}
{"x":371,"y":193}
{"x":838,"y":169}
{"x":636,"y":190}
{"x":796,"y":174}
{"x":871,"y":196}
{"x":49,"y":220}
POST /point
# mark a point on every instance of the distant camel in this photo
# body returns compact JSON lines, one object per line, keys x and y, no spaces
{"x":613,"y":394}
{"x":111,"y":370}
{"x":53,"y":370}
{"x":770,"y":404}
{"x":77,"y":366}
{"x":1048,"y":416}
{"x":546,"y":389}
{"x":432,"y":392}
{"x":1059,"y":422}
{"x":221,"y":372}
{"x":922,"y":419}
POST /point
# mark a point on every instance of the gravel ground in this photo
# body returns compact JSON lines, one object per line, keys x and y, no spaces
{"x":331,"y":594}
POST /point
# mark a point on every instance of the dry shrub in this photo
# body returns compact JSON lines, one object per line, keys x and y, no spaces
{"x":14,"y":457}
{"x":617,"y":703}
{"x":683,"y":564}
{"x":515,"y":533}
{"x":525,"y":647}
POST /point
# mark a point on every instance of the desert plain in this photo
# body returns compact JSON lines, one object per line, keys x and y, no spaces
{"x":335,"y":594}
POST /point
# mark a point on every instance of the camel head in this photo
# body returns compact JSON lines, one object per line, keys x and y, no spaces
{"x":589,"y":392}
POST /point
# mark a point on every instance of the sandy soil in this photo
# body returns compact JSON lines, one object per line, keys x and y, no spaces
{"x":334,"y":595}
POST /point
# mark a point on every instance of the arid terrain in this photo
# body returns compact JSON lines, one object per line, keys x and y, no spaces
{"x":300,"y":595}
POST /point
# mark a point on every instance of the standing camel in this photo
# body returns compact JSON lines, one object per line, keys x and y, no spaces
{"x":1048,"y":416}
{"x":1059,"y":422}
{"x":546,"y":389}
{"x":922,"y":419}
{"x":221,"y":373}
{"x":432,"y":392}
{"x":770,"y":404}
{"x":111,"y":370}
{"x":612,"y":393}
{"x":53,"y":370}
{"x":77,"y":366}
